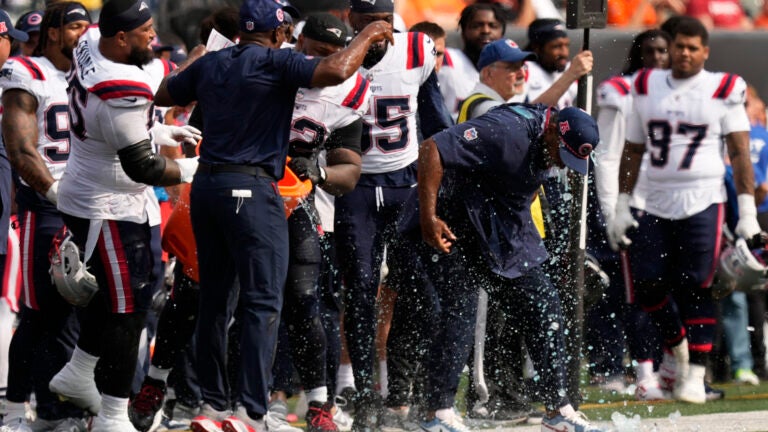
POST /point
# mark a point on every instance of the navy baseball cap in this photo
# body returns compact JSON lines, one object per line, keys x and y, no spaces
{"x":6,"y":28}
{"x":372,"y":6}
{"x":260,"y":16}
{"x":324,"y":27}
{"x":544,"y":30}
{"x":30,"y":22}
{"x":292,"y":11}
{"x":578,"y":137}
{"x":505,"y":50}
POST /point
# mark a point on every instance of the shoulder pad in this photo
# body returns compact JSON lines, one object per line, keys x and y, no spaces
{"x":22,"y":69}
{"x":420,"y":46}
{"x":613,"y":92}
{"x":123,"y":93}
{"x":358,"y":93}
{"x":732,"y":89}
{"x":641,"y":81}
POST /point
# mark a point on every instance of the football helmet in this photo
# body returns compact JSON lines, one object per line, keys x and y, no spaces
{"x":73,"y":281}
{"x":739,"y":269}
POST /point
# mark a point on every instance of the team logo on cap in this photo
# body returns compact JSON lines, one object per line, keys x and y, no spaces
{"x":249,"y":25}
{"x":373,"y":2}
{"x":564,"y":127}
{"x":280,"y":15}
{"x":34,"y":19}
{"x":80,"y":11}
{"x":3,"y":27}
{"x":585,"y":149}
{"x":470,"y":134}
{"x":143,"y":6}
{"x":335,"y":31}
{"x":511,"y":43}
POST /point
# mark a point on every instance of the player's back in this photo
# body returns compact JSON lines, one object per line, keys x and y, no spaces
{"x":457,"y":77}
{"x":389,"y":140}
{"x":320,"y":111}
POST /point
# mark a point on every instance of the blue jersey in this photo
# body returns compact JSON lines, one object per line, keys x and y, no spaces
{"x":496,"y":158}
{"x":247,"y":93}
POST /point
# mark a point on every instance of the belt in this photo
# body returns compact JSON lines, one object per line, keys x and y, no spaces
{"x":253,"y":170}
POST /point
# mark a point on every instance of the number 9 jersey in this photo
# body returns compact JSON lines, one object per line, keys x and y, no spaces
{"x":683,"y":124}
{"x":40,"y":78}
{"x":389,"y":140}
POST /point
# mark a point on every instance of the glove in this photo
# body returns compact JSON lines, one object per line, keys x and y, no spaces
{"x":172,"y":136}
{"x":307,"y":169}
{"x":622,"y":221}
{"x":52,"y":194}
{"x":747,"y":227}
{"x":188,"y":167}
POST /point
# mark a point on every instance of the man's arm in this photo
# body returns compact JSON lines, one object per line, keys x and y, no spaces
{"x":433,"y":115}
{"x":434,"y":231}
{"x":162,"y":97}
{"x":610,"y":122}
{"x":343,"y":171}
{"x":336,"y":68}
{"x":581,"y":64}
{"x":629,"y":168}
{"x":738,"y":152}
{"x":20,"y":135}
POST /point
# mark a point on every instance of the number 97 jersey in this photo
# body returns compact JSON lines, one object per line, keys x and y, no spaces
{"x":38,"y":77}
{"x":683,"y":124}
{"x":389,"y":140}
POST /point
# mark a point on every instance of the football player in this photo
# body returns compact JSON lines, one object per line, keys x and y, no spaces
{"x":680,"y":118}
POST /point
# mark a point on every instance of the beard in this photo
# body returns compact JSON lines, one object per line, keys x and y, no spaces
{"x":375,"y":54}
{"x":140,"y":56}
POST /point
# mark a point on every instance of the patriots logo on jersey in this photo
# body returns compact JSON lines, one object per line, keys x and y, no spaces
{"x":470,"y":134}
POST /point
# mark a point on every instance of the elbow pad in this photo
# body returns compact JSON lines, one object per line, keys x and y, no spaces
{"x":142,"y":165}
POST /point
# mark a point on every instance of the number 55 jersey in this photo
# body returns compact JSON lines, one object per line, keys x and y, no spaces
{"x":389,"y":140}
{"x":683,"y":123}
{"x":40,"y":78}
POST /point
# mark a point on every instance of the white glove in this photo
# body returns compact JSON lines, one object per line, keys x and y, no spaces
{"x":187,"y":166}
{"x":52,"y":194}
{"x":747,"y":227}
{"x":172,"y":136}
{"x":618,"y":225}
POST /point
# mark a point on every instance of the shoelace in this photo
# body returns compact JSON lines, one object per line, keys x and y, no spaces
{"x":148,"y":398}
{"x":322,"y":419}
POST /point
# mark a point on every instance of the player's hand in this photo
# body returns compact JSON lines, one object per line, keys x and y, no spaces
{"x":378,"y":31}
{"x":581,"y":64}
{"x":436,"y":233}
{"x":747,"y":227}
{"x":621,"y":222}
{"x":307,"y":169}
{"x":172,"y":136}
{"x":187,"y":167}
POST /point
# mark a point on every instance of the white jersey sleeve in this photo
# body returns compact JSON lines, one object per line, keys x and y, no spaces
{"x":48,"y":85}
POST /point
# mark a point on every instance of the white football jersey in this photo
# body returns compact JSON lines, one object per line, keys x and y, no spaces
{"x":40,"y":78}
{"x":683,"y":123}
{"x":457,"y":78}
{"x":540,"y":80}
{"x":320,"y":111}
{"x":94,"y":186}
{"x":389,"y":140}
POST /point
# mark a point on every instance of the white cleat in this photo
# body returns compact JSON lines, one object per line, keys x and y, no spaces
{"x":691,"y":388}
{"x":80,"y":392}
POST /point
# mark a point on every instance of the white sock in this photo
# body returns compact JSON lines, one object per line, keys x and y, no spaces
{"x":158,"y":374}
{"x":644,"y":371}
{"x":114,"y":407}
{"x":317,"y":394}
{"x":383,"y":378}
{"x":567,"y":411}
{"x":344,"y":378}
{"x":82,"y":363}
{"x":445,"y":414}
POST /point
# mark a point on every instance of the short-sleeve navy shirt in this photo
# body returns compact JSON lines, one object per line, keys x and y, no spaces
{"x":495,"y":159}
{"x":247,"y":93}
